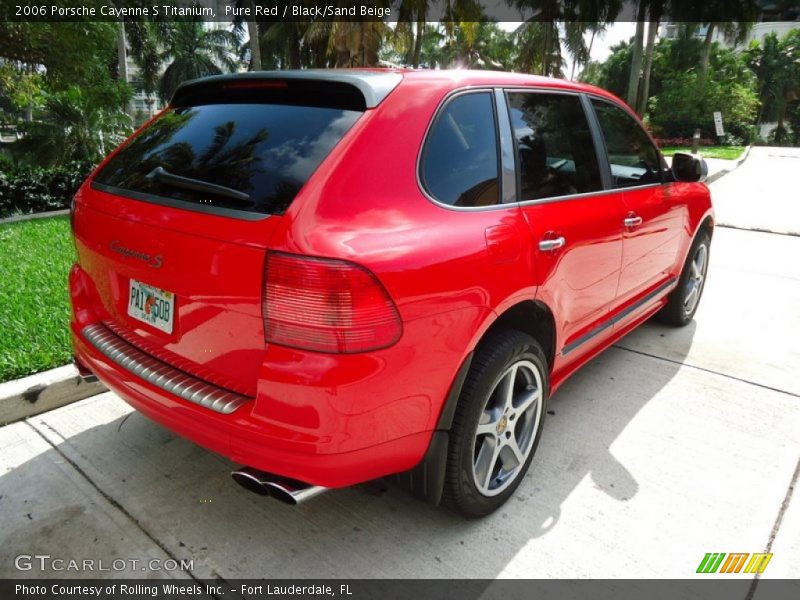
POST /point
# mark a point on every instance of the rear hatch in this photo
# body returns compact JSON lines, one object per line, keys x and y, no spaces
{"x":173,"y":228}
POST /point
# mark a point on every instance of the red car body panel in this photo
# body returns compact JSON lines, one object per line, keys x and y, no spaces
{"x":339,"y":419}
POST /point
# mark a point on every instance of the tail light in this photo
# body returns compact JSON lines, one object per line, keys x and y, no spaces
{"x":326,"y":305}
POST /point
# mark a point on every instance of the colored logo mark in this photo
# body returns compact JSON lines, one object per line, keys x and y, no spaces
{"x":719,"y":562}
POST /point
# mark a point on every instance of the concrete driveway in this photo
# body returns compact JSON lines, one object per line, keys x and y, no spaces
{"x":672,"y":444}
{"x":762,"y":193}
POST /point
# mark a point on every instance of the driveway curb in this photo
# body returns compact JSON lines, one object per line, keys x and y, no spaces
{"x":34,"y":216}
{"x":739,"y":161}
{"x":22,"y":398}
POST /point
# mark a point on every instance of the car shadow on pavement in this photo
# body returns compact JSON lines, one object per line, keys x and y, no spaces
{"x":182,"y":496}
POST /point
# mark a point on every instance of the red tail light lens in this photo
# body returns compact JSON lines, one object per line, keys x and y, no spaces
{"x":326,"y":305}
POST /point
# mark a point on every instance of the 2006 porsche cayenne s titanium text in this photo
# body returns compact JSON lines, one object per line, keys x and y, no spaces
{"x":334,"y":276}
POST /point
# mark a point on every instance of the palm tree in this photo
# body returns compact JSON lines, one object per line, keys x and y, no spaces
{"x":638,"y":52}
{"x":411,"y":20}
{"x":655,"y":10}
{"x":282,"y":43}
{"x":73,"y":128}
{"x":192,"y":51}
{"x":146,"y":53}
{"x":255,"y":41}
{"x":777,"y":65}
{"x":733,"y":19}
{"x":348,"y":44}
{"x":538,"y":48}
{"x":539,"y":38}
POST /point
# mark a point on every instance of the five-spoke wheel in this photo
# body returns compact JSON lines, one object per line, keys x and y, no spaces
{"x":504,"y":437}
{"x":685,"y":298}
{"x":497,"y":424}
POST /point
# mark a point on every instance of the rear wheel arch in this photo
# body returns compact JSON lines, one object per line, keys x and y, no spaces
{"x":528,"y":316}
{"x":532,"y":317}
{"x":426,"y":480}
{"x":706,"y":225}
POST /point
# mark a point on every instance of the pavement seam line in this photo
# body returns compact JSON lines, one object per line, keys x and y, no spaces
{"x":100,"y":491}
{"x":758,"y":230}
{"x":677,"y":362}
{"x":777,"y":525}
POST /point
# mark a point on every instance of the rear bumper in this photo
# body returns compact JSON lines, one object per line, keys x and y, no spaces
{"x":326,"y":420}
{"x":243,"y":440}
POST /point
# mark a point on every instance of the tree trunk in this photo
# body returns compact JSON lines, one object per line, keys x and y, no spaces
{"x":636,"y":59}
{"x":122,"y":52}
{"x":294,"y":48}
{"x":644,"y":96}
{"x":418,"y":41}
{"x":122,"y":59}
{"x":255,"y":46}
{"x":706,"y":54}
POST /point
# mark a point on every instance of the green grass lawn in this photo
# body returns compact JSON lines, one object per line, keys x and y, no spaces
{"x":35,"y":258}
{"x":726,"y":152}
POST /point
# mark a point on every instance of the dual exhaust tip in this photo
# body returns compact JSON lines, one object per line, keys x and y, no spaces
{"x":284,"y":489}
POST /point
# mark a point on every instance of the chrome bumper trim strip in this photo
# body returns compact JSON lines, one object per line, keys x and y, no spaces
{"x":161,"y":375}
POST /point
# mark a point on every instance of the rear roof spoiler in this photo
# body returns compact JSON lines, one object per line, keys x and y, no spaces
{"x":374,"y":86}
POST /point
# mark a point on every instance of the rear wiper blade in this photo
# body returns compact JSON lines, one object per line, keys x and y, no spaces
{"x":198,"y":185}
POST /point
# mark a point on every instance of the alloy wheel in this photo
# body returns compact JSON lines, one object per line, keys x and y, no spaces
{"x":696,"y":279}
{"x":507,"y":428}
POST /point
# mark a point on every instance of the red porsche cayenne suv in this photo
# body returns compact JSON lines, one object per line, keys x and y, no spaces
{"x":335,"y":276}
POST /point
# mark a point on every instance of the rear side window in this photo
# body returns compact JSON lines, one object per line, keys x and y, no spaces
{"x":633,"y":157}
{"x":459,"y":163}
{"x":555,"y":151}
{"x":259,"y":155}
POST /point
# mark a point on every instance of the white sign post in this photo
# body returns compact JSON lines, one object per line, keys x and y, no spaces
{"x":718,"y":123}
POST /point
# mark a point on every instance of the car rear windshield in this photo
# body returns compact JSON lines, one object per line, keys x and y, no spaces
{"x":227,"y":157}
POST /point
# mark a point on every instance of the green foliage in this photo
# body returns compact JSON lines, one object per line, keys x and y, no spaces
{"x":467,"y":44}
{"x":680,"y":100}
{"x":685,"y":104}
{"x":19,"y":90}
{"x":77,"y":53}
{"x":612,"y":74}
{"x":34,"y":304}
{"x":72,"y":127}
{"x":192,"y":51}
{"x":777,"y":64}
{"x":59,"y":87}
{"x":31,"y":189}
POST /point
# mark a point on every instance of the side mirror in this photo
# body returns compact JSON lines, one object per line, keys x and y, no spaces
{"x":688,"y":167}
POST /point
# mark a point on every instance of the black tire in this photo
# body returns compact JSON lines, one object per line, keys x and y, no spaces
{"x":496,"y":356}
{"x":675,"y":311}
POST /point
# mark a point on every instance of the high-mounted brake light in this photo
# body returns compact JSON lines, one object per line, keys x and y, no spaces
{"x":247,"y":84}
{"x":326,"y":305}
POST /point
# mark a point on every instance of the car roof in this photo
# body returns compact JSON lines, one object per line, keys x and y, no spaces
{"x":457,"y":78}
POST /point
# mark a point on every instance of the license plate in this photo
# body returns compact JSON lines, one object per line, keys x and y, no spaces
{"x":152,"y":305}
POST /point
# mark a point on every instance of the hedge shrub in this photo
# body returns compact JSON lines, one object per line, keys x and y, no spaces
{"x":25,"y":190}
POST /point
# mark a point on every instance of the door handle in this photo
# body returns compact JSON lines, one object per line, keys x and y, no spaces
{"x":553,"y":244}
{"x":632,"y":221}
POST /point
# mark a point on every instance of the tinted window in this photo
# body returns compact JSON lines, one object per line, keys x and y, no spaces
{"x":459,"y":165}
{"x":633,"y":157}
{"x":555,"y":152}
{"x":266,"y":151}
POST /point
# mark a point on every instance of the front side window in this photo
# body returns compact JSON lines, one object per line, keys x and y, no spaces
{"x":459,"y":163}
{"x":555,"y":151}
{"x":633,"y":158}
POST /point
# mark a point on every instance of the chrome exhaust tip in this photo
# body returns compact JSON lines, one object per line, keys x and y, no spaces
{"x":284,"y":489}
{"x":83,"y":371}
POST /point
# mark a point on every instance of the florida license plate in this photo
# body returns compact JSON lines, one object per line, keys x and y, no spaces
{"x":151,"y":305}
